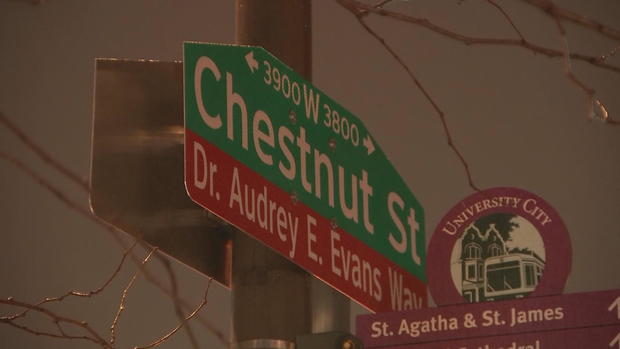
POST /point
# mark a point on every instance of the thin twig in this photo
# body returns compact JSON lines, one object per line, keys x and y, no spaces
{"x":178,"y":309}
{"x":383,"y":3}
{"x":93,"y":335}
{"x":182,"y":323}
{"x":563,"y":14}
{"x":419,"y":85}
{"x":187,"y":306}
{"x":43,"y":155}
{"x":596,"y":107}
{"x":377,"y":5}
{"x":78,"y":293}
{"x":61,"y":196}
{"x":53,"y":335}
{"x":121,"y":306}
{"x":508,"y":18}
{"x":609,"y":54}
{"x":61,"y":330}
{"x":568,"y":65}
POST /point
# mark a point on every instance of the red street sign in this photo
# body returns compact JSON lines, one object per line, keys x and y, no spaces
{"x":526,"y":315}
{"x":296,"y":231}
{"x":581,"y":338}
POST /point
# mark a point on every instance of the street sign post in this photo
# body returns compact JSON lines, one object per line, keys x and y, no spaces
{"x":276,"y":157}
{"x":550,"y":315}
{"x":136,"y":182}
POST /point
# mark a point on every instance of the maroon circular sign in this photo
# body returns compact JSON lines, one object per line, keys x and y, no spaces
{"x":500,"y":243}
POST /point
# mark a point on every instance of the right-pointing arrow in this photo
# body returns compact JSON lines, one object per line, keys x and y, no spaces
{"x":615,"y":341}
{"x":615,"y":304}
{"x":370,"y":146}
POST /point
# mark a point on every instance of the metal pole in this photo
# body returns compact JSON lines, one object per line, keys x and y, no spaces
{"x":274,"y":300}
{"x":283,"y":27}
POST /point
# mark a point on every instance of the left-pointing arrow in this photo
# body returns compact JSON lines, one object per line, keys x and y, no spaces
{"x":252,"y":63}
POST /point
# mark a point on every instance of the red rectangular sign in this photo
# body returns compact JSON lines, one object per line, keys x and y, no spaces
{"x":605,"y":337}
{"x":490,"y":319}
{"x":239,"y":195}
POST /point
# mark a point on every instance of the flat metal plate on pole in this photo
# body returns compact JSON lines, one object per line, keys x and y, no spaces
{"x":137,"y":165}
{"x":273,"y":155}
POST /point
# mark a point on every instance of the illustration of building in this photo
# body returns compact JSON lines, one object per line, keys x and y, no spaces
{"x":491,"y":271}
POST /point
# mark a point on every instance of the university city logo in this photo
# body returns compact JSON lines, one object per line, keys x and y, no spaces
{"x":499,"y":256}
{"x":501,"y":243}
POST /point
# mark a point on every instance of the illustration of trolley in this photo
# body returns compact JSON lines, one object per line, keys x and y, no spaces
{"x":512,"y":275}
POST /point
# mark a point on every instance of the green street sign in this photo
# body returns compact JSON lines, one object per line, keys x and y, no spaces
{"x":277,"y":157}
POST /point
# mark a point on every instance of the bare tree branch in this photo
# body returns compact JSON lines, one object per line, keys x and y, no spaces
{"x":92,"y":336}
{"x":74,"y":206}
{"x":609,"y":54}
{"x":508,"y":18}
{"x":78,"y":293}
{"x":178,"y":308}
{"x":377,"y":5}
{"x":568,"y":65}
{"x":121,"y":306}
{"x":60,"y":329}
{"x":43,"y":155}
{"x":116,"y":234}
{"x":52,"y":335}
{"x":182,"y":323}
{"x":32,"y":2}
{"x":356,"y":6}
{"x":560,"y":13}
{"x":416,"y":81}
{"x":383,"y":3}
{"x":360,"y":10}
{"x":596,"y":107}
{"x":61,"y":196}
{"x":186,"y":305}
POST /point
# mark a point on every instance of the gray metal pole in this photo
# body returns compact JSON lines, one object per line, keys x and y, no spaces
{"x":274,"y":300}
